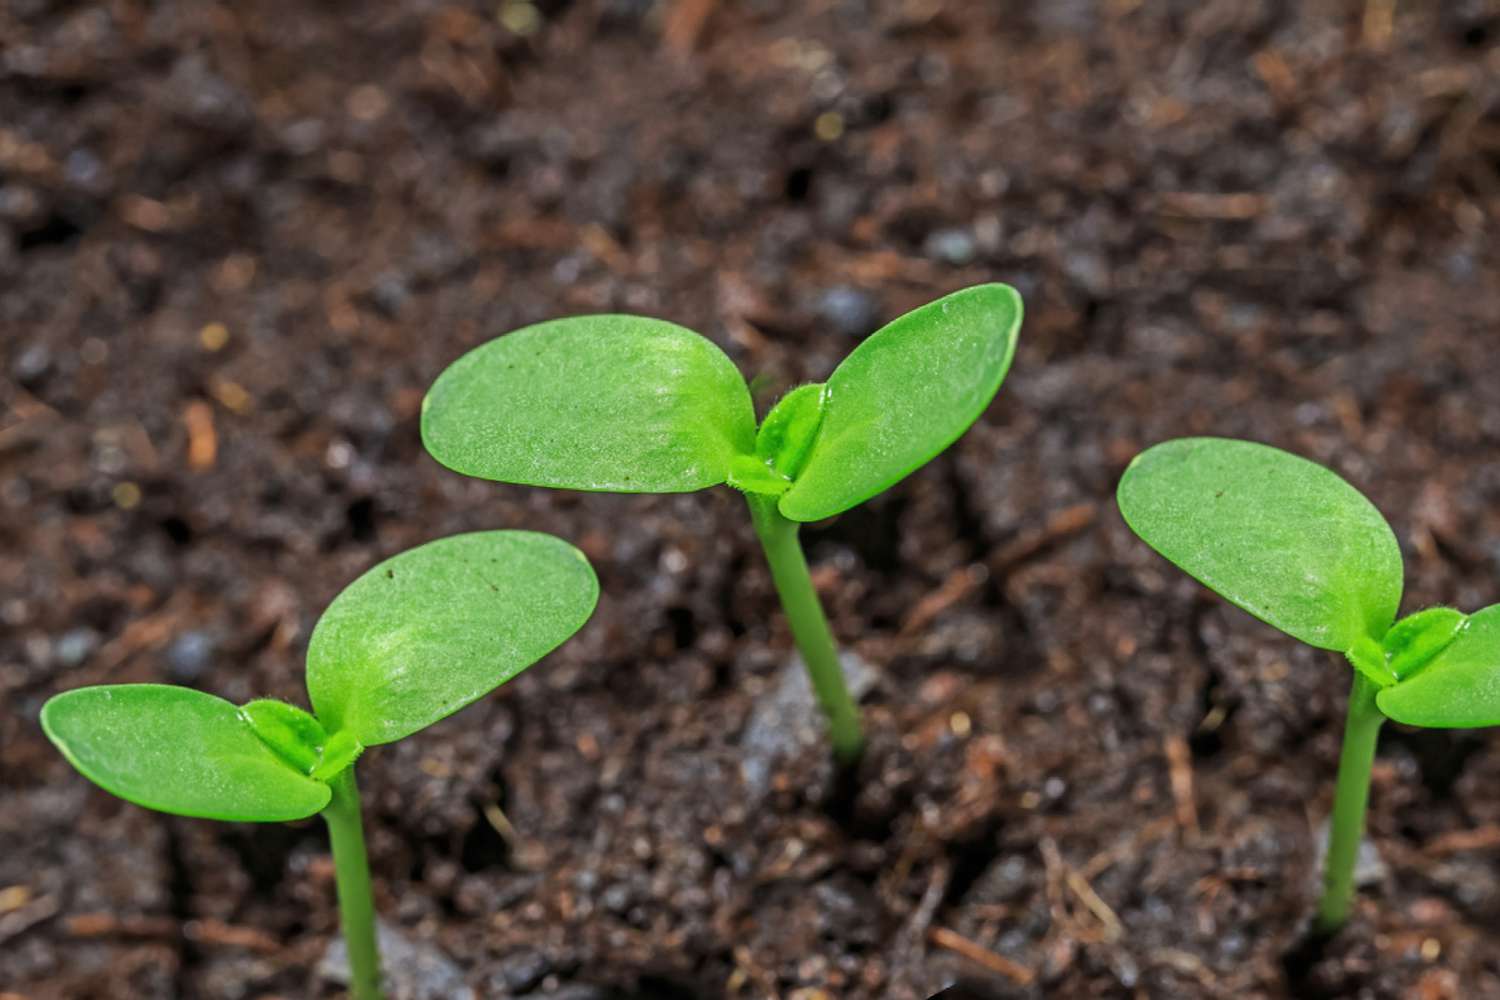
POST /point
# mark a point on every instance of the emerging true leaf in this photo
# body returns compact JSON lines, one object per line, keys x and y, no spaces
{"x":1460,"y":687}
{"x":1414,"y":641}
{"x":1281,"y":537}
{"x":904,"y":394}
{"x":178,"y":750}
{"x":1369,"y":658}
{"x":786,"y":436}
{"x":439,"y":626}
{"x":607,"y":403}
{"x":295,"y":735}
{"x":341,"y":750}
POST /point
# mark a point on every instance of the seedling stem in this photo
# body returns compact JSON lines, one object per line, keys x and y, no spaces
{"x":804,"y":612}
{"x":351,"y":870}
{"x":1351,"y":795}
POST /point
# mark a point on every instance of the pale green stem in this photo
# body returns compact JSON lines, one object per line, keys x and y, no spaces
{"x":351,"y":868}
{"x":804,"y":613}
{"x":1350,"y":797}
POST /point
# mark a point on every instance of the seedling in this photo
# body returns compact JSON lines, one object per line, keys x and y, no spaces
{"x":410,"y":642}
{"x":625,"y":404}
{"x":1299,"y":548}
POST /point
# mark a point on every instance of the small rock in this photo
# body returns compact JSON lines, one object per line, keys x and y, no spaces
{"x":75,"y":645}
{"x":21,"y":205}
{"x":412,"y":970}
{"x":303,"y":136}
{"x":577,"y":991}
{"x":951,"y":246}
{"x":189,"y":655}
{"x":1369,"y":868}
{"x":849,"y":310}
{"x":519,"y":973}
{"x":1089,"y":270}
{"x":389,"y":293}
{"x":31,"y":364}
{"x":788,"y":720}
{"x":83,"y":169}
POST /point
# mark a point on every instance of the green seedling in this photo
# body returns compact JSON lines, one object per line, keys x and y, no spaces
{"x":625,"y":404}
{"x":410,"y":642}
{"x":1299,"y":548}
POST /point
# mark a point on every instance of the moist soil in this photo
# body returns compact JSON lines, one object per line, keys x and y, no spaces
{"x":238,"y":240}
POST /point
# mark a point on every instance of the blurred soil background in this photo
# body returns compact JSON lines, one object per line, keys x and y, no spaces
{"x":238,"y":240}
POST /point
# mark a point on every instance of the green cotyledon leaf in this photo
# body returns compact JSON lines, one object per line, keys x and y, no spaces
{"x":904,"y":394}
{"x":621,"y":404}
{"x":1460,"y":687}
{"x":1277,"y":535}
{"x":178,"y":751}
{"x":437,"y":627}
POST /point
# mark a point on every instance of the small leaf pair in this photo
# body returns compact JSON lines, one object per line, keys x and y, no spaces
{"x":1293,"y":544}
{"x":1299,"y":548}
{"x":410,"y":642}
{"x":627,"y":404}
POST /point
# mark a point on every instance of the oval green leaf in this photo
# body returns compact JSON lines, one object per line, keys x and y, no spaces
{"x":1281,"y":537}
{"x":437,"y":627}
{"x":618,"y":404}
{"x":1460,"y":687}
{"x":179,"y":751}
{"x":906,"y":393}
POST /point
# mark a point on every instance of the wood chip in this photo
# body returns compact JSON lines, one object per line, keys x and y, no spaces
{"x":1180,"y":776}
{"x":203,"y":442}
{"x":684,"y":25}
{"x":1066,"y":522}
{"x":960,"y":584}
{"x":1480,"y":839}
{"x":1236,"y":207}
{"x":1017,"y":973}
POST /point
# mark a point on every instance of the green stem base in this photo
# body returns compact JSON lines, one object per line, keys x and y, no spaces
{"x":1350,"y":798}
{"x":804,"y":613}
{"x":351,"y":867}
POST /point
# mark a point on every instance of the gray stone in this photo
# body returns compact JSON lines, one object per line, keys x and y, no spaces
{"x":788,"y":720}
{"x":411,"y":970}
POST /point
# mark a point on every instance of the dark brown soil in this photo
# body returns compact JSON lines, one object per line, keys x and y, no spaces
{"x":238,"y":240}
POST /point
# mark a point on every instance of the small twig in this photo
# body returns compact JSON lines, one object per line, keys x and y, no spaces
{"x":1180,"y":776}
{"x":203,"y":443}
{"x":1060,"y":874}
{"x":1017,"y":973}
{"x":1480,"y":839}
{"x":960,"y":584}
{"x":1066,"y":522}
{"x":684,"y":25}
{"x":496,"y":818}
{"x":23,"y":918}
{"x":211,"y":932}
{"x":1378,"y":23}
{"x":932,"y":898}
{"x":1126,"y":846}
{"x":1186,"y":963}
{"x":1113,"y":929}
{"x":1236,"y":207}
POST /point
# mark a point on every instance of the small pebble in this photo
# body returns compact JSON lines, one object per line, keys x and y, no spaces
{"x":189,"y":655}
{"x":75,"y":645}
{"x":849,"y":310}
{"x":951,"y":246}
